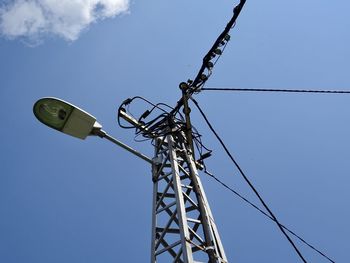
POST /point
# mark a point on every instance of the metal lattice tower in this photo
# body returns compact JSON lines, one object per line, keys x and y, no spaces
{"x":183,"y":228}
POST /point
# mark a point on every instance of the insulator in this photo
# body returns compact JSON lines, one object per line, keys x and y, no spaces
{"x":145,"y":114}
{"x":204,"y":77}
{"x":218,"y":51}
{"x":227,"y":37}
{"x":206,"y":155}
{"x":183,"y":86}
{"x":210,"y":65}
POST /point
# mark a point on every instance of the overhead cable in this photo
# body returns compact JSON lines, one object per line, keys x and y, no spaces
{"x":267,"y":215}
{"x":215,"y":51}
{"x":248,"y":182}
{"x":279,"y":90}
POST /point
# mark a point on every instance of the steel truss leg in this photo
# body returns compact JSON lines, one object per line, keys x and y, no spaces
{"x":183,"y":228}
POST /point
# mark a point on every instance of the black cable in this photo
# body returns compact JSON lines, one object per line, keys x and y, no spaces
{"x":223,"y":37}
{"x":278,"y":90}
{"x":268,"y":216}
{"x":155,"y":126}
{"x":198,"y":81}
{"x":248,"y":182}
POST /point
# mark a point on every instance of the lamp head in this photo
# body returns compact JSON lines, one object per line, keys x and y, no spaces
{"x":65,"y":117}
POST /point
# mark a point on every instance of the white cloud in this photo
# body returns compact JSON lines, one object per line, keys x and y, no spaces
{"x":65,"y":18}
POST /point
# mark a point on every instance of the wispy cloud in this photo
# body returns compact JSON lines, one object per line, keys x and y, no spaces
{"x":32,"y":19}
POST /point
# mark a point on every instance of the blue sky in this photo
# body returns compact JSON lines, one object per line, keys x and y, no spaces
{"x":67,"y":200}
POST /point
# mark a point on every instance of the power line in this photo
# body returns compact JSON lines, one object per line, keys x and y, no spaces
{"x":215,"y":51}
{"x":279,"y":90}
{"x":249,"y":183}
{"x":268,"y":216}
{"x":222,"y":40}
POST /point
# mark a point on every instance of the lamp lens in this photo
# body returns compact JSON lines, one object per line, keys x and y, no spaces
{"x":62,"y":114}
{"x":53,"y":113}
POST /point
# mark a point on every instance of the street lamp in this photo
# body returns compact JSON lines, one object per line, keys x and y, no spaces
{"x":69,"y":119}
{"x":65,"y":117}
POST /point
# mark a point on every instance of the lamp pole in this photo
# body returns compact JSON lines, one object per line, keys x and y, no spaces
{"x":103,"y":134}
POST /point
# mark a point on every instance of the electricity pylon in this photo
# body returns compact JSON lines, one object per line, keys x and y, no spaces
{"x":183,"y":227}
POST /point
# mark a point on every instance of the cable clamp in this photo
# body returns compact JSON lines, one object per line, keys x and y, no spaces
{"x":209,"y":248}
